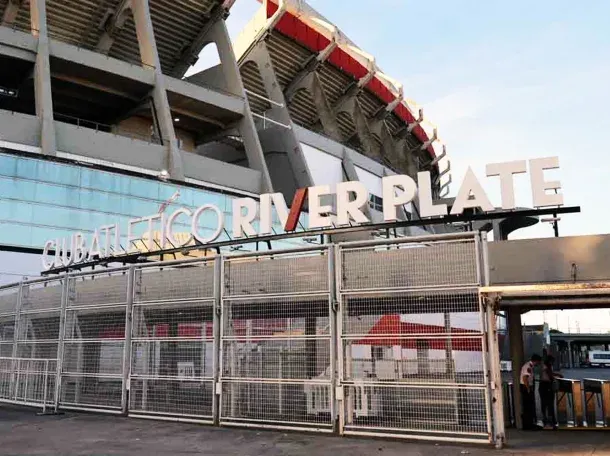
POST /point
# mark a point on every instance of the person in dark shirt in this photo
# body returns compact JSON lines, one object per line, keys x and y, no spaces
{"x":547,"y":392}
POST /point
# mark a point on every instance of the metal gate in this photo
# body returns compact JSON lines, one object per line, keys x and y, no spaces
{"x":372,"y":338}
{"x":413,"y":348}
{"x":276,"y":340}
{"x":92,"y":345}
{"x":172,"y":340}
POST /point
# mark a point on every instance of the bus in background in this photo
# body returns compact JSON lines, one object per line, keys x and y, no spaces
{"x":598,"y":358}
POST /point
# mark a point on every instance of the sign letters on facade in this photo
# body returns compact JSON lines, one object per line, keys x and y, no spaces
{"x":350,"y":199}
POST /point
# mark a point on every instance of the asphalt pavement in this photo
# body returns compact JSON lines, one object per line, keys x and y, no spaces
{"x":22,"y":432}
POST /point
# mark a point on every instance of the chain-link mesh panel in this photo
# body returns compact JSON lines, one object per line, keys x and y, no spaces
{"x":7,"y":334}
{"x":38,"y":326}
{"x":276,"y":317}
{"x":276,"y":274}
{"x":412,"y":356}
{"x":91,"y":392}
{"x":8,"y":300}
{"x":34,"y":349}
{"x":421,"y":410}
{"x":182,"y":282}
{"x":405,"y":266}
{"x":172,"y":351}
{"x":172,"y":396}
{"x":415,"y":360}
{"x":282,"y":359}
{"x":276,"y":343}
{"x":429,"y":312}
{"x":279,"y":403}
{"x":42,"y":295}
{"x":98,"y":289}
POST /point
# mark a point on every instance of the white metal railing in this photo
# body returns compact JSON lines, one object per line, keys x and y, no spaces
{"x":28,"y":381}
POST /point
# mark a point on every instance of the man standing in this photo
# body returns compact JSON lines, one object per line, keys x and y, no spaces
{"x":528,"y":399}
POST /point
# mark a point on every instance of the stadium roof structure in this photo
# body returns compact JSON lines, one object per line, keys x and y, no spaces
{"x":104,"y":26}
{"x":331,"y":86}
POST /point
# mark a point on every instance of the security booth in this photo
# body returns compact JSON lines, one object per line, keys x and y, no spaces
{"x":515,"y":300}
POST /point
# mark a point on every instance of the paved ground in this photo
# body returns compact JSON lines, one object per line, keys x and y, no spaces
{"x":24,"y":433}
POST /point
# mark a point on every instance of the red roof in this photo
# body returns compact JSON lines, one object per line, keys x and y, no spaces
{"x":389,"y":328}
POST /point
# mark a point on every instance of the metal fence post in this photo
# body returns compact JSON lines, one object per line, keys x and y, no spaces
{"x":127,"y":342}
{"x":65,"y":296}
{"x":498,"y":436}
{"x":45,"y":386}
{"x":13,"y":387}
{"x":216,"y":345}
{"x":339,"y":392}
{"x":333,"y":303}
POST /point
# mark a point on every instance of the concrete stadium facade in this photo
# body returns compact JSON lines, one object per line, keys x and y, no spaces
{"x":98,"y":121}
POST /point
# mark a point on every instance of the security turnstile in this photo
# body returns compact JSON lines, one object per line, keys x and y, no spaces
{"x":570,"y":408}
{"x":509,"y":404}
{"x":597,"y":401}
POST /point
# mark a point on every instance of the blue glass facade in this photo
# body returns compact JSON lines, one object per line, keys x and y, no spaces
{"x":42,"y":199}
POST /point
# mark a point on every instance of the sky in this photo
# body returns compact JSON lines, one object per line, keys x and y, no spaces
{"x":502,"y":81}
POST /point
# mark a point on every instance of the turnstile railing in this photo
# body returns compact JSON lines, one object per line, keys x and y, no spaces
{"x":578,"y":403}
{"x":509,"y":404}
{"x":570,"y":410}
{"x":597,"y":402}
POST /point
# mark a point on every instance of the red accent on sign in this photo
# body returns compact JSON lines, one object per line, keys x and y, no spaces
{"x":295,"y":209}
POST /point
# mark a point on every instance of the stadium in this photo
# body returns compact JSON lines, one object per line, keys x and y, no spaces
{"x":379,"y":330}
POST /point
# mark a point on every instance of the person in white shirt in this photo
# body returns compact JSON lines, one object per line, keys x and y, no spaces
{"x":528,"y":399}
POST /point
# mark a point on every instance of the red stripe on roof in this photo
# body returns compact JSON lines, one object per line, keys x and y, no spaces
{"x":296,"y":29}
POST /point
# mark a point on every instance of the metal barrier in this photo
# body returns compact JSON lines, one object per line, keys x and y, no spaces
{"x":384,"y":338}
{"x":28,"y":381}
{"x":172,"y":341}
{"x":94,"y":340}
{"x":597,"y":401}
{"x":570,"y":408}
{"x":413,"y":350}
{"x":276,"y":348}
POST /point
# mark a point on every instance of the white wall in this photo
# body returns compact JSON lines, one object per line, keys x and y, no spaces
{"x":325,"y":169}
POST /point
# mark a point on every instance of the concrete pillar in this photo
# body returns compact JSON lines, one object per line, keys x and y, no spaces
{"x":327,"y":117}
{"x":570,"y":355}
{"x":260,"y":55}
{"x":161,"y":108}
{"x":515,"y":334}
{"x":246,"y":127}
{"x":363,"y":131}
{"x":42,"y":77}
